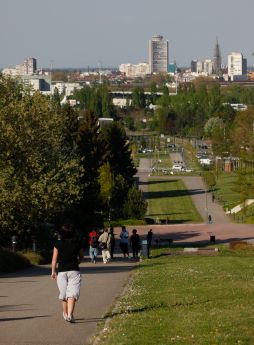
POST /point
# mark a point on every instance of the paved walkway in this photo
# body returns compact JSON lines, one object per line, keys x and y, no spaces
{"x":31,"y":314}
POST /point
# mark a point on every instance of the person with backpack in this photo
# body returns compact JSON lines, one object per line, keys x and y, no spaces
{"x":93,"y":245}
{"x":104,"y":244}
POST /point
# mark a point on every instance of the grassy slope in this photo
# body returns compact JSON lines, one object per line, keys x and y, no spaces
{"x":187,"y":300}
{"x":170,"y":198}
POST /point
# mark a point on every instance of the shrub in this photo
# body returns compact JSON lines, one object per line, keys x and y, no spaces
{"x":10,"y":261}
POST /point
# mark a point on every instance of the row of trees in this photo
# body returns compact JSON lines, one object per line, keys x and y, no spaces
{"x":56,"y":161}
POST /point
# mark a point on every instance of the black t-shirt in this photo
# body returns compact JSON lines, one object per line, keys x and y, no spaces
{"x":68,"y":250}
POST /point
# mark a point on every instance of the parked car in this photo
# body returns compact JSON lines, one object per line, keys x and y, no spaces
{"x":177,"y":167}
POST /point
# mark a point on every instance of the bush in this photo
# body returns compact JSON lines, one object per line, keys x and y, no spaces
{"x":10,"y":261}
{"x":239,"y":245}
{"x":34,"y":258}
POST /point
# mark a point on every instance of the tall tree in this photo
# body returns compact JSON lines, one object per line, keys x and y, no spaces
{"x":92,"y":150}
{"x":39,"y":173}
{"x":119,"y":153}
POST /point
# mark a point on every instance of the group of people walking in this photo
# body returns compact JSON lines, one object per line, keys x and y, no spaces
{"x":68,"y":252}
{"x":106,"y":242}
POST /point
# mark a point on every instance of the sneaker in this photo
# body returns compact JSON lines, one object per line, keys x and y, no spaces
{"x":65,"y":316}
{"x":70,"y":319}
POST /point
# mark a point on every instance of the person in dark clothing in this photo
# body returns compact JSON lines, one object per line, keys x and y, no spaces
{"x":135,"y":243}
{"x":149,"y":239}
{"x":112,"y":242}
{"x":68,"y":253}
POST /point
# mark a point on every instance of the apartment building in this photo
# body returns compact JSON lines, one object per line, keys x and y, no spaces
{"x":237,"y":67}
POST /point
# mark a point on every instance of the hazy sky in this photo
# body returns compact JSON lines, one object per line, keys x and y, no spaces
{"x":81,"y":33}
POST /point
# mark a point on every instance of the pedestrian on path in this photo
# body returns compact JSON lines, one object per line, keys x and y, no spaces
{"x":68,"y":253}
{"x":104,"y":244}
{"x":210,"y":219}
{"x":112,"y":242}
{"x":135,"y":243}
{"x":124,"y":239}
{"x":93,"y":245}
{"x":149,"y":239}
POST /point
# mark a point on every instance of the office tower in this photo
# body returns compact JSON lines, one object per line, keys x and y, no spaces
{"x":158,"y":55}
{"x":193,"y":66}
{"x":237,"y":66}
{"x":217,"y":58}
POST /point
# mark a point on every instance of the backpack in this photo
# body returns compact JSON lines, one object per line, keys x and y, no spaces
{"x":94,"y":242}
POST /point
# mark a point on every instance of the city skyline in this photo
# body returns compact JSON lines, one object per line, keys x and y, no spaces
{"x":81,"y":33}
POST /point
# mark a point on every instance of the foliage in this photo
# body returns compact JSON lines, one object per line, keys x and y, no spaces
{"x":92,"y":151}
{"x":39,"y":171}
{"x":119,"y":153}
{"x":134,"y":206}
{"x":138,"y":98}
{"x":242,"y":137}
{"x":96,"y":99}
{"x":12,"y":261}
{"x":106,"y":182}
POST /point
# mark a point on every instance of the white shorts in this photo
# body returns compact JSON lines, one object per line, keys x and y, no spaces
{"x":69,"y":284}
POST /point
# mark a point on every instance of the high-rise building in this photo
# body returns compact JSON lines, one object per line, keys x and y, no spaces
{"x":158,"y":55}
{"x":237,"y":66}
{"x":193,"y":66}
{"x":217,"y":58}
{"x":28,"y":67}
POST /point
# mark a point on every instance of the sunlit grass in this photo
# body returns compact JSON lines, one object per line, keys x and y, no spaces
{"x":170,"y":200}
{"x":187,"y":300}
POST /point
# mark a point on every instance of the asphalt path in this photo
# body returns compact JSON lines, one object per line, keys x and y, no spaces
{"x":31,"y":313}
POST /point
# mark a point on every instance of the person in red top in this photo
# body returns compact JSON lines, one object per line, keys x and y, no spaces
{"x":93,"y":245}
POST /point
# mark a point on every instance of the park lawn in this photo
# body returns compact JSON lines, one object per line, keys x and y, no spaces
{"x":169,"y":199}
{"x":186,"y":300}
{"x":225,"y":190}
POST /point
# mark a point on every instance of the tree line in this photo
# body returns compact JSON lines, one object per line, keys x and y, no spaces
{"x":58,"y":163}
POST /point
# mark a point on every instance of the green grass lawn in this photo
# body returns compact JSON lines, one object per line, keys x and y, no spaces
{"x":198,"y":300}
{"x":170,"y":198}
{"x":227,"y":194}
{"x":226,"y":189}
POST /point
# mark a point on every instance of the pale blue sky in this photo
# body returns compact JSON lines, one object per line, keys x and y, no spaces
{"x":80,"y":33}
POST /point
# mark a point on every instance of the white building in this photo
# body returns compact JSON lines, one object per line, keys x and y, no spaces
{"x":200,"y":66}
{"x":208,"y":67}
{"x":133,"y":71}
{"x":158,"y":55}
{"x":237,"y":67}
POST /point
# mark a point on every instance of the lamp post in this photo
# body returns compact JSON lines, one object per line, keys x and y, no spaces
{"x":13,"y":243}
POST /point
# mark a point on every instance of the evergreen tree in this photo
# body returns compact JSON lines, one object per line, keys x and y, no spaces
{"x":119,"y":154}
{"x":92,"y":148}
